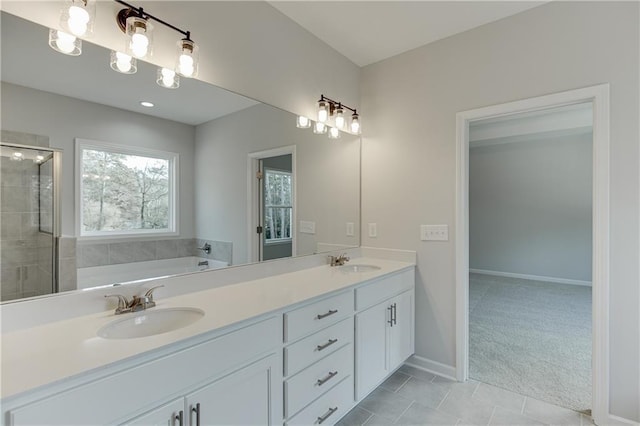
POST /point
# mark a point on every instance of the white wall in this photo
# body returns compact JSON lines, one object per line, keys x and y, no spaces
{"x":530,"y":206}
{"x":247,"y":47}
{"x":410,"y":103}
{"x":63,"y":119}
{"x":327,"y":175}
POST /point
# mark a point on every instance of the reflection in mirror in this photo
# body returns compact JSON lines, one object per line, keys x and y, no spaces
{"x":203,"y":179}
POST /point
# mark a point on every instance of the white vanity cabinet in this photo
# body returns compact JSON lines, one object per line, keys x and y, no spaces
{"x":384,"y":329}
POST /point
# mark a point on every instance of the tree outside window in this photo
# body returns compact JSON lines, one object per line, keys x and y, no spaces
{"x":278,"y":205}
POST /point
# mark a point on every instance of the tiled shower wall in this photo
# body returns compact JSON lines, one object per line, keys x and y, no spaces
{"x":26,"y":260}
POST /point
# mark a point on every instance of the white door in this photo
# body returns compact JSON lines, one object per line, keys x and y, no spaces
{"x":241,"y":398}
{"x":371,"y":347}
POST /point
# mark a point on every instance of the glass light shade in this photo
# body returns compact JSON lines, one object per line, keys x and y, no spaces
{"x":319,"y":128}
{"x":334,"y":133}
{"x":303,"y":122}
{"x":123,"y":63}
{"x":323,"y":112}
{"x":65,"y":43}
{"x":77,"y":17}
{"x":340,"y":122}
{"x":140,"y":32}
{"x":355,"y":124}
{"x":187,"y":58}
{"x":168,"y":78}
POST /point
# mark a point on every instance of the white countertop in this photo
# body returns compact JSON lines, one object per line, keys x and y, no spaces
{"x":45,"y":354}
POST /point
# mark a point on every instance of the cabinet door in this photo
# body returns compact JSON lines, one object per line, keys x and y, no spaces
{"x":171,"y":414}
{"x":371,"y":348}
{"x":241,"y":398}
{"x":401,"y":344}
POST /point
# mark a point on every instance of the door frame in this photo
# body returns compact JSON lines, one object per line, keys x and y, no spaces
{"x":598,"y":96}
{"x":253,"y":196}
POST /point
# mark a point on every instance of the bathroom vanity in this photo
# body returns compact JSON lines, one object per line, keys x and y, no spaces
{"x":297,"y":348}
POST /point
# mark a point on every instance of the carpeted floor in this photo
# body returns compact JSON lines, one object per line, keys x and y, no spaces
{"x":531,"y":337}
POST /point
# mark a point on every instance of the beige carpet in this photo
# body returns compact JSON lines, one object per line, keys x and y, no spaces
{"x":531,"y":337}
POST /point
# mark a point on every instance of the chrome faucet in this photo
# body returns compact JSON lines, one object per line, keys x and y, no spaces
{"x":137,"y":303}
{"x":206,"y":248}
{"x":338,"y":260}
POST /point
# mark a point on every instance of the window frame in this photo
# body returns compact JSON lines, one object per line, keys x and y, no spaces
{"x":275,"y":241}
{"x":174,"y":168}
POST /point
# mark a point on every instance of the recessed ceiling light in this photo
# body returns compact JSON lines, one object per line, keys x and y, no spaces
{"x":147,"y":104}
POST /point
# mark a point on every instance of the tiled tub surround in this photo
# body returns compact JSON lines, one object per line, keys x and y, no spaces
{"x":93,"y":253}
{"x":73,"y":348}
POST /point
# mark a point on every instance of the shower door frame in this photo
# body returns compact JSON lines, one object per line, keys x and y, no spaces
{"x":56,"y":220}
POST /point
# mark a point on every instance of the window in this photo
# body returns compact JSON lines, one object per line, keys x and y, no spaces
{"x":278,"y":205}
{"x":125,"y":191}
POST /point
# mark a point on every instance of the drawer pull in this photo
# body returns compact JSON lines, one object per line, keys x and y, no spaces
{"x":180,"y":418}
{"x":326,"y":345}
{"x":331,"y":312}
{"x":328,"y":414}
{"x":196,"y":410}
{"x":329,"y":376}
{"x":395,"y":314}
{"x":390,"y":309}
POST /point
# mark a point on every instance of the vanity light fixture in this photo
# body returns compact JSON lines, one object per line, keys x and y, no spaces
{"x":328,"y":108}
{"x":65,"y":43}
{"x":167,"y":78}
{"x":77,"y":17}
{"x":135,"y":22}
{"x":123,"y":63}
{"x":319,"y":128}
{"x":303,"y":122}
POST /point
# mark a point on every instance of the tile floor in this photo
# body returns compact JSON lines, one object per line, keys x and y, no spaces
{"x":414,"y":397}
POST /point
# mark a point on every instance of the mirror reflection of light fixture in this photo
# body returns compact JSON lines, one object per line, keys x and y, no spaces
{"x":65,"y":43}
{"x":334,"y":133}
{"x":123,"y":63}
{"x":303,"y":122}
{"x":319,"y":128}
{"x":77,"y":17}
{"x":167,"y":78}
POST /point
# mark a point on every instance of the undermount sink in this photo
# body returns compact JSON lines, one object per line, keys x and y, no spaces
{"x":359,"y":268}
{"x":150,"y":322}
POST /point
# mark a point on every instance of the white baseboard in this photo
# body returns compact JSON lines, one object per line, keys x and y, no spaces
{"x":611,"y":420}
{"x":531,"y":277}
{"x":433,"y":367}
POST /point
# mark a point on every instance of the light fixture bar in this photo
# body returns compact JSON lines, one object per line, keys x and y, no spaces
{"x":141,"y":13}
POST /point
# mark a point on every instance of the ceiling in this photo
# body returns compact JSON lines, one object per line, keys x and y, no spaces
{"x":194,"y":102}
{"x":370,"y":31}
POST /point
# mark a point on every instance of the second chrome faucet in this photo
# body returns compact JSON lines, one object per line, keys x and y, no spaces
{"x":136,"y":303}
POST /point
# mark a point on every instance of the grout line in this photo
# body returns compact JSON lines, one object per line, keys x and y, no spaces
{"x":524,"y":402}
{"x":492,"y":413}
{"x":403,"y":383}
{"x":475,"y":390}
{"x":405,"y":410}
{"x":443,"y":399}
{"x":369,"y":417}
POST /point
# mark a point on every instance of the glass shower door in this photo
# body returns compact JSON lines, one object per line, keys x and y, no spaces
{"x":27,"y":222}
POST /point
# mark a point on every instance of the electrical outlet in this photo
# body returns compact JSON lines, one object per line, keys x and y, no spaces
{"x":350,"y":229}
{"x":434,"y":232}
{"x":373,"y":230}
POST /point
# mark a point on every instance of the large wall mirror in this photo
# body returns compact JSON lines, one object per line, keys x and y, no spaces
{"x":203,"y":179}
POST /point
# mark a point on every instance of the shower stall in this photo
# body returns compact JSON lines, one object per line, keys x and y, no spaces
{"x":29,"y":220}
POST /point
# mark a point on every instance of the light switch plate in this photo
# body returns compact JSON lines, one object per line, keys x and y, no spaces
{"x":307,"y":227}
{"x":350,"y":229}
{"x":434,"y":232}
{"x":373,"y":230}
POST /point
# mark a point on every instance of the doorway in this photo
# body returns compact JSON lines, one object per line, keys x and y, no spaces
{"x":272,"y":204}
{"x":598,"y":97}
{"x":530,"y":246}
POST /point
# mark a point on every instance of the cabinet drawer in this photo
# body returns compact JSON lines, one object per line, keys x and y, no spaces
{"x":384,"y":288}
{"x":140,"y":388}
{"x":316,"y":316}
{"x":331,"y":406}
{"x":307,"y":385}
{"x":320,"y":344}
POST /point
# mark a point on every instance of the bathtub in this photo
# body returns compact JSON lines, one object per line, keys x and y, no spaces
{"x":96,"y":276}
